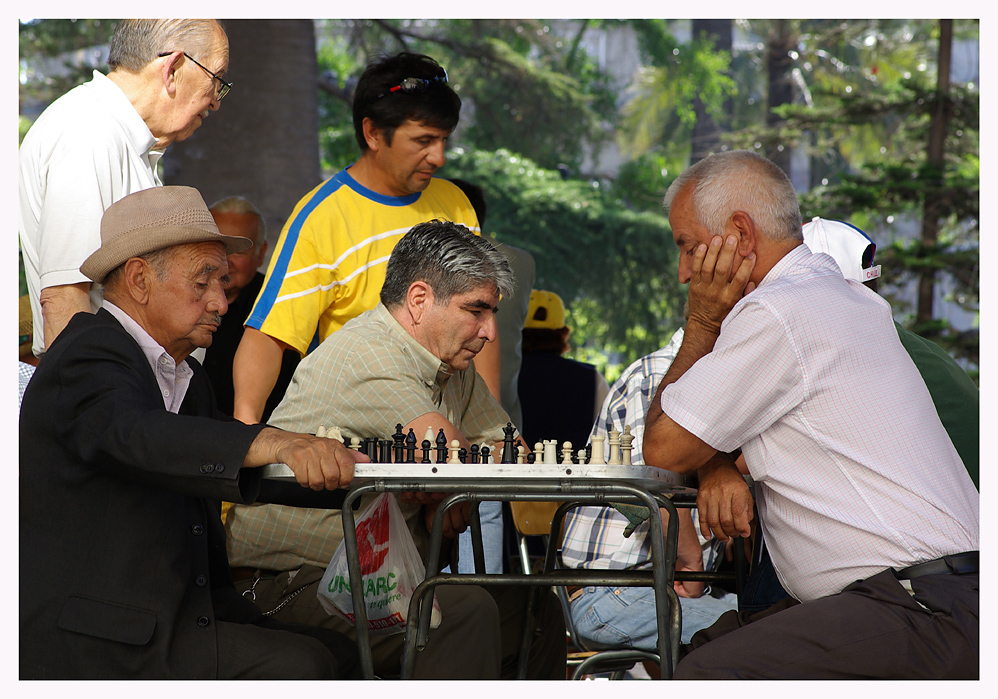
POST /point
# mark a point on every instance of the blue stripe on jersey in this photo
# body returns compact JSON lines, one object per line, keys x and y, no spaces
{"x":268,"y":295}
{"x":272,"y":288}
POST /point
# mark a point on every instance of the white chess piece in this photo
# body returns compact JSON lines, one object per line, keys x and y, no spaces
{"x":581,"y":455}
{"x":626,"y":445}
{"x":614,"y":443}
{"x":334,"y":433}
{"x":550,"y":451}
{"x":321,"y":432}
{"x":566,"y":453}
{"x":428,"y":437}
{"x":355,"y":443}
{"x":520,"y":452}
{"x":455,"y":447}
{"x":597,"y":455}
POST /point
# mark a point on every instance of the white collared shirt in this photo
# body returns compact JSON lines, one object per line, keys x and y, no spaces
{"x":173,"y":378}
{"x":854,"y":472}
{"x":87,"y":150}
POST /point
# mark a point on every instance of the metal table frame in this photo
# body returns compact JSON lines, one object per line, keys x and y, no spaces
{"x":574,"y":485}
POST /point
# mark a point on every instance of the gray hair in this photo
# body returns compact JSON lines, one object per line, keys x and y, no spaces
{"x":448,"y":257}
{"x":241,"y":205}
{"x":159,"y":260}
{"x":741,"y":181}
{"x":137,"y":42}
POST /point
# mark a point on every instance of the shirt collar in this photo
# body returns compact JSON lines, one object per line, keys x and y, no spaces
{"x":787,"y":263}
{"x":138,"y":133}
{"x":153,"y":351}
{"x":431,"y":369}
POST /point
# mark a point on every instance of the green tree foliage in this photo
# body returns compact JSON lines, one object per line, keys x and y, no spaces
{"x":614,"y":267}
{"x":661,"y":112}
{"x":870,"y":101}
{"x":54,"y":52}
{"x":521,"y":82}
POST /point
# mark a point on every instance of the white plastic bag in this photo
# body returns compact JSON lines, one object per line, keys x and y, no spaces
{"x":390,"y":569}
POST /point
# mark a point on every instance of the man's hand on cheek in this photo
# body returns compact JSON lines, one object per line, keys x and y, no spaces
{"x":715,"y":286}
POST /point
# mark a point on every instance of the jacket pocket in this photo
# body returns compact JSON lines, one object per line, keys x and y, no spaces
{"x":115,"y":622}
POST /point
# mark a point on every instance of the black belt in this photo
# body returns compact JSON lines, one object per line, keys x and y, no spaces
{"x":957,"y":564}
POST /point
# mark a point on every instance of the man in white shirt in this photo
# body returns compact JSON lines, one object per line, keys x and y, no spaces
{"x":102,"y":141}
{"x":871,"y":518}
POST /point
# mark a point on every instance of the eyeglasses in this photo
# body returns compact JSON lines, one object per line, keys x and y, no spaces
{"x":414,"y":86}
{"x":223,"y":87}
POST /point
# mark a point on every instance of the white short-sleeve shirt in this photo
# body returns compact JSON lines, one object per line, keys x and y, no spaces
{"x":854,"y":471}
{"x":86,"y":151}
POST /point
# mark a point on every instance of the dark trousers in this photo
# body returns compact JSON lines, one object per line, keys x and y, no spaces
{"x":874,"y":629}
{"x":478,"y":638}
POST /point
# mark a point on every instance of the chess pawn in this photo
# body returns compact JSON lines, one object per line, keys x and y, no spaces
{"x":614,"y":443}
{"x":520,"y":451}
{"x":566,"y":453}
{"x":455,"y":447}
{"x":355,"y":443}
{"x":581,"y":456}
{"x":626,"y":445}
{"x":486,"y":455}
{"x":539,"y":450}
{"x":427,"y":450}
{"x":597,"y":456}
{"x":474,"y":453}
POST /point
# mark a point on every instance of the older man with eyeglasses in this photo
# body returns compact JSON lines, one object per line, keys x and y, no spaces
{"x":329,"y":263}
{"x":102,"y":141}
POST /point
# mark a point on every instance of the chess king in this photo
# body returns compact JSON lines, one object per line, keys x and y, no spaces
{"x":408,"y":362}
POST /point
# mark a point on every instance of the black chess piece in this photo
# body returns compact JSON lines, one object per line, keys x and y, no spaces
{"x":399,"y":439}
{"x":474,"y":453}
{"x":508,"y":455}
{"x":485,"y":455}
{"x":531,"y":457}
{"x":441,"y":447}
{"x":589,"y":452}
{"x":462,"y":455}
{"x":384,"y":451}
{"x":427,"y":446}
{"x":410,"y":447}
{"x":370,"y":448}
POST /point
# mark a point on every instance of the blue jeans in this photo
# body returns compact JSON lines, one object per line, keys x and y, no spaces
{"x":491,"y":515}
{"x":611,"y":617}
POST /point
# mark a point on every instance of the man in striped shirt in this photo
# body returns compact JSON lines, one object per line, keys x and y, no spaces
{"x":329,"y":263}
{"x":872,"y":522}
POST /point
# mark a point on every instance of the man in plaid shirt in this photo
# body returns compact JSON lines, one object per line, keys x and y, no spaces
{"x":594,"y":536}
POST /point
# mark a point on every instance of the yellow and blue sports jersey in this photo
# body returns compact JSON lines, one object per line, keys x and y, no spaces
{"x":329,"y":264}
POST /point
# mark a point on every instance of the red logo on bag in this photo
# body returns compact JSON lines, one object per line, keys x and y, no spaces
{"x":372,"y":540}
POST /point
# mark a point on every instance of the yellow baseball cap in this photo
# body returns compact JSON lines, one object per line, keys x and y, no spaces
{"x":546,"y":311}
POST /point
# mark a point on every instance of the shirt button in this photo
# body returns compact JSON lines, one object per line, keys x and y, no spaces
{"x":202,"y":621}
{"x":200,"y":581}
{"x":197,"y":530}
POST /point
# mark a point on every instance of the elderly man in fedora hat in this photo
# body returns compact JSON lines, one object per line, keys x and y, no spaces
{"x":127,"y":576}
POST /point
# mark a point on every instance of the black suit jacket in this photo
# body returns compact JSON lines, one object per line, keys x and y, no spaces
{"x":123,"y":570}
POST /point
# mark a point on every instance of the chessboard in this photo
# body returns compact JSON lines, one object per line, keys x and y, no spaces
{"x":434,"y":459}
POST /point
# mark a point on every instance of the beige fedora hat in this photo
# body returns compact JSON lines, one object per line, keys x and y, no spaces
{"x":151,"y":220}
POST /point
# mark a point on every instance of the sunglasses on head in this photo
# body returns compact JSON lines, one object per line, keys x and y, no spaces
{"x":414,"y":86}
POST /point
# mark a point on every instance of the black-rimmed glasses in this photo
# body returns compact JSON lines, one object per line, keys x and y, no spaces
{"x":413,"y":86}
{"x":223,"y":87}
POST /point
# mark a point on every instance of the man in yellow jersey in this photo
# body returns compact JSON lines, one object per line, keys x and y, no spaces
{"x":330,"y":260}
